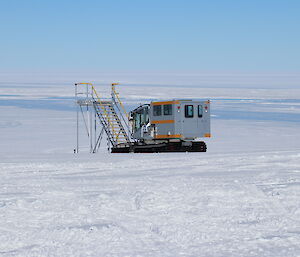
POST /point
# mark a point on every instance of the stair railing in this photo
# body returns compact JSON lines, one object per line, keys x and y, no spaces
{"x":106,"y":114}
{"x":117,"y":101}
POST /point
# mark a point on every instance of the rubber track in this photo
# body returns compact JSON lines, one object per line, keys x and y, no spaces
{"x":160,"y":148}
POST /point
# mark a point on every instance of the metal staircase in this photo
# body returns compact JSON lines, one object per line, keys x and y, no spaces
{"x":111,"y":123}
{"x":109,"y":114}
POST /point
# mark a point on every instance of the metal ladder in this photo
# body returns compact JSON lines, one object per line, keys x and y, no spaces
{"x":110,"y":121}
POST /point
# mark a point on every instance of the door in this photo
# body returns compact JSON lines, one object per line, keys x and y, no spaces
{"x":203,"y":117}
{"x":189,"y":120}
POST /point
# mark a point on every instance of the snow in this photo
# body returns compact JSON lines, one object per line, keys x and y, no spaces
{"x":152,"y":205}
{"x":241,"y":198}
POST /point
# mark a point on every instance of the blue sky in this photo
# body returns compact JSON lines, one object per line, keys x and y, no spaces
{"x":255,"y":36}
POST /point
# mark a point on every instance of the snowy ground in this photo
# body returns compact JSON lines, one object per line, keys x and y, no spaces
{"x":241,"y":198}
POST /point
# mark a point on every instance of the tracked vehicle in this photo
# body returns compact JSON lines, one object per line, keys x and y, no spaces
{"x":161,"y":126}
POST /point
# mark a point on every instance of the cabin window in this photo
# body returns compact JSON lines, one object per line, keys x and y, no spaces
{"x":156,"y":110}
{"x":137,"y":121}
{"x":140,"y":118}
{"x":200,"y":111}
{"x":189,"y":111}
{"x":168,"y":109}
{"x":145,"y":116}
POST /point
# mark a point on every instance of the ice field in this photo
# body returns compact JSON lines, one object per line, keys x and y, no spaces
{"x":241,"y":198}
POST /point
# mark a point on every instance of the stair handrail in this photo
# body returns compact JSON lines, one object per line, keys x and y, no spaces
{"x":105,"y":112}
{"x":114,"y":95}
{"x":120,"y":125}
{"x":104,"y":124}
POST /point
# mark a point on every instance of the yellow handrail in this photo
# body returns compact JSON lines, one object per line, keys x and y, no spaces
{"x":118,"y":98}
{"x":105,"y":112}
{"x":84,"y":84}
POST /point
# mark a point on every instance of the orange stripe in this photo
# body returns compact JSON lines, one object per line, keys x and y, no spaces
{"x":207,"y":135}
{"x":168,"y":102}
{"x":161,"y":121}
{"x":167,"y":136}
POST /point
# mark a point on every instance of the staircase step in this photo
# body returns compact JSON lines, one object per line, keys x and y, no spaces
{"x":113,"y":125}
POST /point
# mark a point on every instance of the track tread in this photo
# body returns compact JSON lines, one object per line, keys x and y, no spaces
{"x":163,"y":148}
